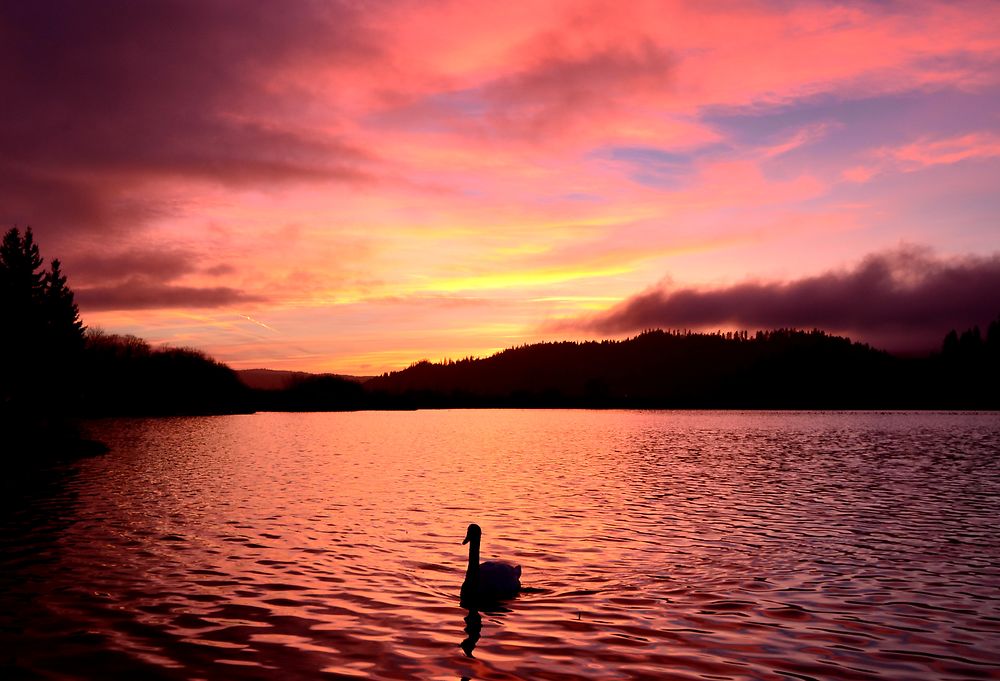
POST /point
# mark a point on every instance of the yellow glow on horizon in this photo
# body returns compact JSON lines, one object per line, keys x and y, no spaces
{"x":524,"y":279}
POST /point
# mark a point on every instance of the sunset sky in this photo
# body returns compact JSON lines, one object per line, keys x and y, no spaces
{"x":355,"y":186}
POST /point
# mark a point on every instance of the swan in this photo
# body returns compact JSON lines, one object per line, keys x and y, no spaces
{"x":494,"y":580}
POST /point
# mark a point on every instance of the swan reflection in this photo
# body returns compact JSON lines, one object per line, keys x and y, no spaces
{"x":474,"y":628}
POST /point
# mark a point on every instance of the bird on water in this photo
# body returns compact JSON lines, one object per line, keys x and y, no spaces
{"x":489,"y":582}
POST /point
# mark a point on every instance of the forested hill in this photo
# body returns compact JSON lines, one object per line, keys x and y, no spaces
{"x":774,"y":369}
{"x":277,"y":379}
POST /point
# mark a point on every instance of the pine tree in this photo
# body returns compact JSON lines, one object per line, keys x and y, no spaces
{"x":21,"y":284}
{"x":42,"y":335}
{"x":62,"y":316}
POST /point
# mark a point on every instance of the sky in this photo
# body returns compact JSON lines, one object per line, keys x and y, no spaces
{"x":356,"y":186}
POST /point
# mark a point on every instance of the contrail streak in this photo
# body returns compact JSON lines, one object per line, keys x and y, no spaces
{"x":254,"y":321}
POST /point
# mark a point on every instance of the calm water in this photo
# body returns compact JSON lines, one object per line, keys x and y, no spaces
{"x":676,"y":545}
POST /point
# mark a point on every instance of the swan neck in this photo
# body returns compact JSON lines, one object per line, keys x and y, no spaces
{"x":473,"y":558}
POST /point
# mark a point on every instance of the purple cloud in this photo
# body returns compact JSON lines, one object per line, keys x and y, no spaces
{"x":159,"y":265}
{"x":139,"y":294}
{"x":100,"y":99}
{"x":904,"y":300}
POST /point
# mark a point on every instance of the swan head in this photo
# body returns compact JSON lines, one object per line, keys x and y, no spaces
{"x":474,"y":533}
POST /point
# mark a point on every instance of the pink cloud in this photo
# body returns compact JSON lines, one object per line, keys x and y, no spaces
{"x":860,"y":173}
{"x":671,"y":57}
{"x":925,"y":153}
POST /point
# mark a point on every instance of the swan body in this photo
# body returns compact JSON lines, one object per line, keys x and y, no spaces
{"x":494,"y":580}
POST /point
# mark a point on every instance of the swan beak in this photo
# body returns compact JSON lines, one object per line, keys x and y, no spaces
{"x":466,"y":540}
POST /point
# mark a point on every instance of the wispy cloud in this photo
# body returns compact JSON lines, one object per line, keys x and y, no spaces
{"x":925,"y":153}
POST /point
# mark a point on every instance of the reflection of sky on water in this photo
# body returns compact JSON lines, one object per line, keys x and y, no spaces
{"x":700,"y":542}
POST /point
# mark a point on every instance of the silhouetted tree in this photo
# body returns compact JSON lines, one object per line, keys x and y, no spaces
{"x":950,"y":345}
{"x":126,"y":376}
{"x":993,"y":340}
{"x":42,"y":335}
{"x":968,"y":367}
{"x":61,"y":312}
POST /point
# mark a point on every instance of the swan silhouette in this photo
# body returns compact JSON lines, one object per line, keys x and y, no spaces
{"x":489,"y":582}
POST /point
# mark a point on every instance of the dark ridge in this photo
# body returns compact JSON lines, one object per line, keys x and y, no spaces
{"x":324,"y":392}
{"x":277,"y":379}
{"x":780,"y":369}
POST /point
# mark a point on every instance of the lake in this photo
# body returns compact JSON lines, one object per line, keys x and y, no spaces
{"x":654,"y":544}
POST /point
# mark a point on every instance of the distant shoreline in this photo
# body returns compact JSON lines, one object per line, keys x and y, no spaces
{"x":779,"y":369}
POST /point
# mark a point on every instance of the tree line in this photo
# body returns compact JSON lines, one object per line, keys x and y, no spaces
{"x":54,"y":367}
{"x":778,"y":369}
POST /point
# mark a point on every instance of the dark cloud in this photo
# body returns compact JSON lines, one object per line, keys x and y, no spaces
{"x":140,"y":278}
{"x":158,"y":265}
{"x":101,"y":98}
{"x":141,"y":294}
{"x":220,"y":270}
{"x":901,"y":300}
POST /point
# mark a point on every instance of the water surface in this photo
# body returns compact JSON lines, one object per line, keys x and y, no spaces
{"x":677,"y":545}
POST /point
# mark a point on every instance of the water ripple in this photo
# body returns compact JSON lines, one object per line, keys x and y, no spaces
{"x":682,"y":545}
